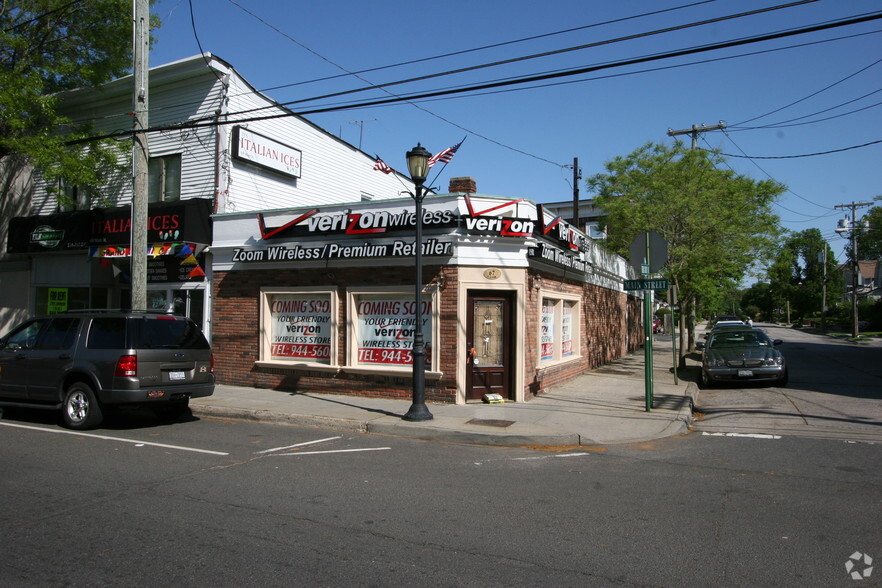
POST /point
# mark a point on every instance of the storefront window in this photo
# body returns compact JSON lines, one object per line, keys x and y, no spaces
{"x":558,"y":329}
{"x":299,"y":326}
{"x":384,"y":329}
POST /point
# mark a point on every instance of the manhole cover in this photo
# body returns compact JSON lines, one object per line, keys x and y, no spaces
{"x":491,"y":422}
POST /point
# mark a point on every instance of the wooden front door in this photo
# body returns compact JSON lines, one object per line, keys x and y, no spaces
{"x":489,"y":345}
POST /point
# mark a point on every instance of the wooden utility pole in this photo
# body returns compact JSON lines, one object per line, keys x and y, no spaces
{"x":852,"y":229}
{"x":139,"y":155}
{"x":577,"y":175}
{"x":694,"y":131}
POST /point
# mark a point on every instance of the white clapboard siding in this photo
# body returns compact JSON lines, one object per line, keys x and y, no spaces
{"x":332,"y":171}
{"x":207,"y":90}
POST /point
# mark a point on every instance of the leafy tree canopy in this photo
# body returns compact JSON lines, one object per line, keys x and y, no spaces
{"x":48,"y":46}
{"x":869,"y":241}
{"x":717,"y":224}
{"x":799,"y":273}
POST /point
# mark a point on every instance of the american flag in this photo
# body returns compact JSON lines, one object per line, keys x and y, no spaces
{"x":381,"y":166}
{"x":444,"y":156}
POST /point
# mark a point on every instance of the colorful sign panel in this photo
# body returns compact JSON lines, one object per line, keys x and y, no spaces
{"x":385,"y":329}
{"x":300,"y":327}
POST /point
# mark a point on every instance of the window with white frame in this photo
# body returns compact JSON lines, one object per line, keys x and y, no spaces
{"x":299,"y":325}
{"x":164,"y":178}
{"x":559,"y":328}
{"x":382,"y":329}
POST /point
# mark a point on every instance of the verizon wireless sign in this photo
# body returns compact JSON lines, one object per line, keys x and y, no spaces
{"x":384,"y":222}
{"x":363,"y":250}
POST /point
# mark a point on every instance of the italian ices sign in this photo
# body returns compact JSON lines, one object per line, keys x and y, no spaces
{"x":301,"y":327}
{"x":386,"y":328}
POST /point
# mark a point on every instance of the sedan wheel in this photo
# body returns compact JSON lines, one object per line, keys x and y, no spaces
{"x":81,"y":409}
{"x":706,"y":382}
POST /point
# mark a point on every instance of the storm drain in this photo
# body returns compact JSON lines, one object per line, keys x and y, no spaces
{"x":491,"y":422}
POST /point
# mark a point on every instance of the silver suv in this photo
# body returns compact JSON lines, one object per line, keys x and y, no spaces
{"x":84,"y":362}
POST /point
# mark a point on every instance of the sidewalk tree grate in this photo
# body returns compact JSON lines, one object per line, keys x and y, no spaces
{"x":491,"y":422}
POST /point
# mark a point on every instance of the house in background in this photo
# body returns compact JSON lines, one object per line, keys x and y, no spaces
{"x":869,"y":279}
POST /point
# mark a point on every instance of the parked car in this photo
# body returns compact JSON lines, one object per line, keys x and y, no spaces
{"x":741,"y":354}
{"x":85,"y":362}
{"x":658,"y":325}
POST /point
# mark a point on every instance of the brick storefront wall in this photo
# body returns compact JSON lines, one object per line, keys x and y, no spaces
{"x":605,"y":331}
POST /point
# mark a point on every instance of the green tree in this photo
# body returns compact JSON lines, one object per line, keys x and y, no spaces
{"x":869,"y":242}
{"x":759,"y":296}
{"x":798,"y":275}
{"x":47,"y":47}
{"x":717,"y":223}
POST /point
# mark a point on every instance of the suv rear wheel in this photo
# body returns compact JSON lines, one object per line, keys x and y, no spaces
{"x":81,"y":409}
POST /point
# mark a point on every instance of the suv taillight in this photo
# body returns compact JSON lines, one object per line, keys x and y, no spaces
{"x":127,"y":366}
{"x":212,"y":363}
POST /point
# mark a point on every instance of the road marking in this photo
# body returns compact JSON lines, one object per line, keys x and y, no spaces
{"x":582,"y":453}
{"x":106,"y":438}
{"x":299,"y":444}
{"x":747,"y":435}
{"x":549,"y":456}
{"x":334,"y":451}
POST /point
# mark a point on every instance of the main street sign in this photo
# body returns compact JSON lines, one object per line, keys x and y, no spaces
{"x":646,"y":284}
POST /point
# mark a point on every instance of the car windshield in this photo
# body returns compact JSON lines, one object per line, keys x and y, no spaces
{"x":739,"y":339}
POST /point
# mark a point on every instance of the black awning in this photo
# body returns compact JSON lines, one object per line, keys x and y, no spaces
{"x":186,"y":220}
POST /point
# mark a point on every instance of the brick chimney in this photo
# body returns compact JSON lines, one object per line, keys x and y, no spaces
{"x":466,"y":185}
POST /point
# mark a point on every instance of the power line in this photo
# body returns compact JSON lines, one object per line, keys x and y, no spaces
{"x":453,"y":53}
{"x":521,"y":58}
{"x":42,"y":16}
{"x":813,"y":94}
{"x":804,"y":154}
{"x":518,"y":80}
{"x":726,"y":134}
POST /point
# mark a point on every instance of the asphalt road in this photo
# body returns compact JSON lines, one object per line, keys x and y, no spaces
{"x":835,"y":392}
{"x":226,"y":503}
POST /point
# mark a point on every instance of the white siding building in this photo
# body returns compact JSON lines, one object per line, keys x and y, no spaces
{"x":205,"y":149}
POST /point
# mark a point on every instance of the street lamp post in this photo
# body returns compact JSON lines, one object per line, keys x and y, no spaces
{"x":418,"y":166}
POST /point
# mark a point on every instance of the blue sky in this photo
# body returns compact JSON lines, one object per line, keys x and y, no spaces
{"x":521,"y":138}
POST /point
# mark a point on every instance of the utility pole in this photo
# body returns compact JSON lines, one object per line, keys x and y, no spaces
{"x":139,"y":155}
{"x":695,"y":130}
{"x":823,"y":260}
{"x":852,"y":228}
{"x":577,"y":175}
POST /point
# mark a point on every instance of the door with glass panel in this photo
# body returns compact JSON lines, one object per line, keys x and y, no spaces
{"x":489,"y":345}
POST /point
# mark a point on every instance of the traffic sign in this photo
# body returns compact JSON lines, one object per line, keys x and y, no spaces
{"x":647,"y":284}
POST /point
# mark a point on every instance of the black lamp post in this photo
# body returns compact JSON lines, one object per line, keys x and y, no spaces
{"x":418,"y":166}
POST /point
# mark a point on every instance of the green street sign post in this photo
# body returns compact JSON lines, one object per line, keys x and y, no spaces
{"x":640,"y":254}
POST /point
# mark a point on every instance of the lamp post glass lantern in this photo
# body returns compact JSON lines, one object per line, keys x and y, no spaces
{"x":418,"y":166}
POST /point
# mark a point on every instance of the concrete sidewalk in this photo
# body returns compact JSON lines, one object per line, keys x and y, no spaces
{"x":603,"y":406}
